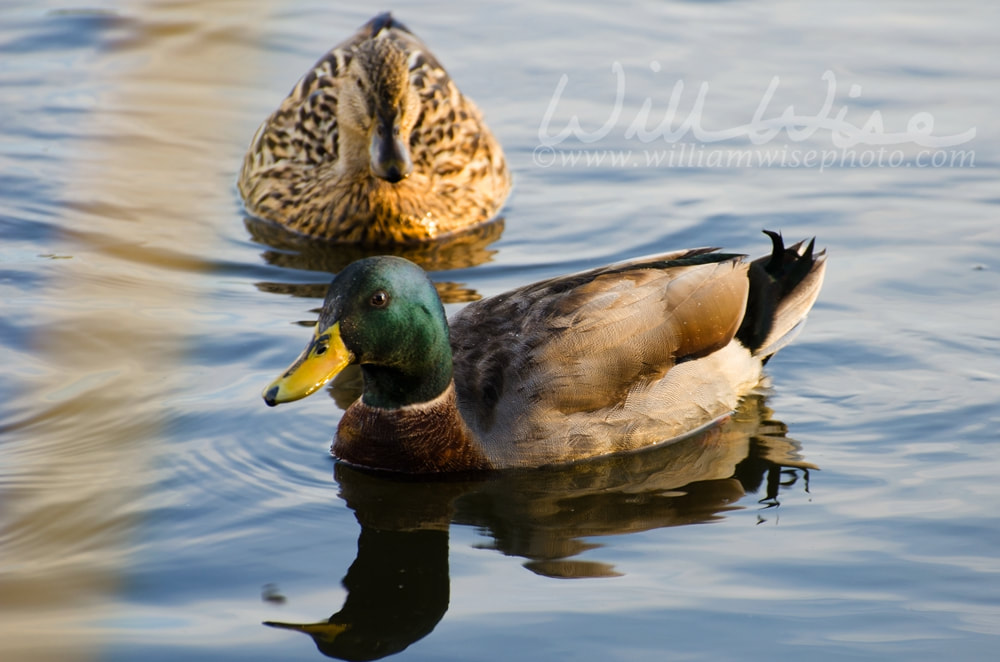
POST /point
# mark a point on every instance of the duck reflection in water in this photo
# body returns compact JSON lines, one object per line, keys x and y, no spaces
{"x":398,"y":587}
{"x":288,"y":250}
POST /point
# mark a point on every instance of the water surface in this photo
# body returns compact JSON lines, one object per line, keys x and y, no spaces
{"x":152,"y":508}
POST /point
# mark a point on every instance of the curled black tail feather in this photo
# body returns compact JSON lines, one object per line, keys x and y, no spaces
{"x":772,"y":278}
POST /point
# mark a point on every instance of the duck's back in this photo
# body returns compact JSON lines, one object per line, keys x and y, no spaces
{"x":605,"y":360}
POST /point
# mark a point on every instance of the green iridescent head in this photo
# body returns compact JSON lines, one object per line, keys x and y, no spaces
{"x":384,"y":314}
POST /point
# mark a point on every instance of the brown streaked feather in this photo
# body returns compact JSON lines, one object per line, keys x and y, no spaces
{"x":300,"y":173}
{"x":387,"y":67}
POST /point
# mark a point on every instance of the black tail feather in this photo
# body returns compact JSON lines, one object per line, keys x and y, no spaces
{"x":772,"y":278}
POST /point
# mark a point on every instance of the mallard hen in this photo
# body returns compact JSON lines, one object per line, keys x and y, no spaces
{"x":375,"y":145}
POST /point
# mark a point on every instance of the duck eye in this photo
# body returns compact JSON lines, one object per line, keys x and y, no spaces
{"x":380,"y":299}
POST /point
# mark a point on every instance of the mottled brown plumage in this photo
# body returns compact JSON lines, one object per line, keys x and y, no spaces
{"x":607,"y":360}
{"x":332,"y":161}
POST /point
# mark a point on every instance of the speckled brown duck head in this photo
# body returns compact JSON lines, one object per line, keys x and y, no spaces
{"x":380,"y":108}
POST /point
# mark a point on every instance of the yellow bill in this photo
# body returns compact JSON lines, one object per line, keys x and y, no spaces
{"x":321,"y":632}
{"x":325,"y":356}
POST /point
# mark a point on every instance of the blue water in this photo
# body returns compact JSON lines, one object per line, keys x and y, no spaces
{"x":151,"y":507}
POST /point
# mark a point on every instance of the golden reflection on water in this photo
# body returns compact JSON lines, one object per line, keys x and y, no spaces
{"x":458,"y":251}
{"x":136,"y":210}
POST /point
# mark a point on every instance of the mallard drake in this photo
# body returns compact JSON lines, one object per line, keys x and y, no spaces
{"x":603,"y":361}
{"x":375,"y":145}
